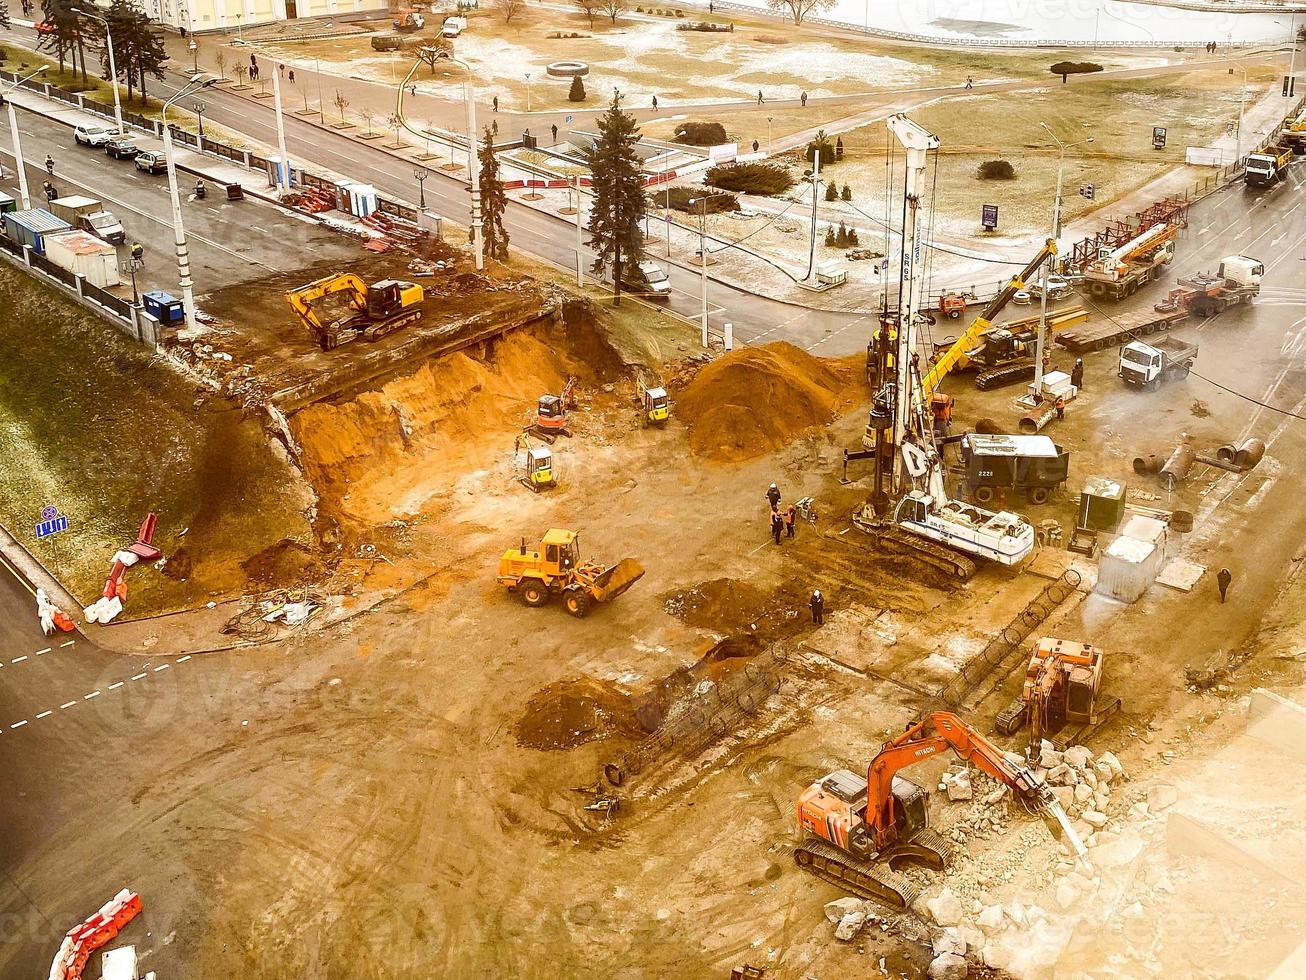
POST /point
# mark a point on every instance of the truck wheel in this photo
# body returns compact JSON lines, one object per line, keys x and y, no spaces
{"x":954,"y":314}
{"x":983,"y":495}
{"x":577,"y":603}
{"x":1038,"y":495}
{"x":534,"y":594}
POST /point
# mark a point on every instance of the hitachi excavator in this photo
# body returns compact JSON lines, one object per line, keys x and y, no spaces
{"x":858,"y":829}
{"x":377,"y":310}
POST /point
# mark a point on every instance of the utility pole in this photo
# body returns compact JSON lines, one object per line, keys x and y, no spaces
{"x":18,"y":146}
{"x":283,"y":171}
{"x":702,"y":254}
{"x":816,"y":198}
{"x":179,"y":231}
{"x":580,"y":264}
{"x":113,"y":68}
{"x":1041,"y":339}
{"x":474,"y":173}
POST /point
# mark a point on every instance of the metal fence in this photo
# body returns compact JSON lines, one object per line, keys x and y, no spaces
{"x":107,"y":299}
{"x":397,"y":209}
{"x":184,"y":137}
{"x":708,"y":713}
{"x":53,"y":271}
{"x":1009,"y":640}
{"x":11,"y":246}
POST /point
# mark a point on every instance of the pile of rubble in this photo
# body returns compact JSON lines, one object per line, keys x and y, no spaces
{"x":1082,"y":784}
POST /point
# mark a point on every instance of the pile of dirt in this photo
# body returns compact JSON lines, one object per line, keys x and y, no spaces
{"x":284,"y":564}
{"x":756,"y":400}
{"x":726,"y":605}
{"x":571,"y":713}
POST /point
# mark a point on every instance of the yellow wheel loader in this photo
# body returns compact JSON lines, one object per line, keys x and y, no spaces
{"x":556,"y":568}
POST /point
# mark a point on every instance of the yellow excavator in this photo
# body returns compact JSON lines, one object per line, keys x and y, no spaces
{"x":375,"y":310}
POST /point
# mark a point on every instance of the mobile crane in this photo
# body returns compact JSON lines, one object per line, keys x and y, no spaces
{"x":909,"y":510}
{"x":1119,"y":270}
{"x":857,"y":830}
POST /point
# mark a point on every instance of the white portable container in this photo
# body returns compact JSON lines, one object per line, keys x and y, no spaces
{"x":1128,"y":568}
{"x":82,"y":253}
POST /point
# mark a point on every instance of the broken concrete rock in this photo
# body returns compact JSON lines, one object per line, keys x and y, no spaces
{"x":991,"y":920}
{"x":836,"y":910}
{"x":850,"y":925}
{"x":1078,"y":756}
{"x":1083,"y":793}
{"x":1065,"y":796}
{"x":945,"y":908}
{"x":949,"y":941}
{"x":993,"y":798}
{"x":1066,"y":894}
{"x":1094,"y":818}
{"x":1062,"y":775}
{"x":1016,"y":913}
{"x":959,"y":787}
{"x":948,"y":966}
{"x":1049,"y":758}
{"x":1109,"y":758}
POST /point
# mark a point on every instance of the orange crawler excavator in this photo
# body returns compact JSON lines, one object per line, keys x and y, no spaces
{"x":858,"y":829}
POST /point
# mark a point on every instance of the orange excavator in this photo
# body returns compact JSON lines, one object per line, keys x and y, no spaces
{"x":551,"y":413}
{"x":1062,"y":688}
{"x":858,"y":829}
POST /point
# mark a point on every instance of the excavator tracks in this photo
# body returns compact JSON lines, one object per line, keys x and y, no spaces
{"x":1008,"y":374}
{"x":878,"y":883}
{"x":927,"y":848}
{"x":1107,"y":709}
{"x":893,"y":539}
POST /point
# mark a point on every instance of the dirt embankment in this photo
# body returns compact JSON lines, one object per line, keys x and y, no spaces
{"x":395,"y":452}
{"x":755,"y":400}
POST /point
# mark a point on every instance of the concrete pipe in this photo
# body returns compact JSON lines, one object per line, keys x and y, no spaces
{"x":1036,"y":419}
{"x":1227,"y":452}
{"x":1176,"y":468}
{"x":1251,"y":452}
{"x":1147,"y":464}
{"x":1181,"y":521}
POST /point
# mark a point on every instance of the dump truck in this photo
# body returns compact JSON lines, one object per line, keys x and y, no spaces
{"x":1294,"y":134}
{"x":1147,"y":365}
{"x":1269,"y":167}
{"x":1034,"y":465}
{"x":556,"y":569}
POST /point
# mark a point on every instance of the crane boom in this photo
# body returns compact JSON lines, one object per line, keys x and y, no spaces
{"x":953,"y":354}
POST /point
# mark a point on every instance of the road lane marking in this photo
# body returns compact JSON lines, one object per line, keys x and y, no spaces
{"x":44,"y":714}
{"x":40,"y":652}
{"x":18,"y":724}
{"x":182,"y":660}
{"x":162,"y":667}
{"x":18,"y":660}
{"x":65,"y":707}
{"x":93,"y":694}
{"x":68,"y":644}
{"x":137,"y":677}
{"x":114,"y":687}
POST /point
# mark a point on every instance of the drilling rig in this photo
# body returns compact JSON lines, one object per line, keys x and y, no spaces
{"x":909,"y":510}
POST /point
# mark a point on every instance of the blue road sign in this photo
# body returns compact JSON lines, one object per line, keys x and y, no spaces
{"x":46,"y":528}
{"x":568,"y":119}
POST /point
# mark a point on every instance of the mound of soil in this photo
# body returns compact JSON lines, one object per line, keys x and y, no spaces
{"x":756,"y":400}
{"x":571,"y":713}
{"x":728,"y":606}
{"x":284,"y":564}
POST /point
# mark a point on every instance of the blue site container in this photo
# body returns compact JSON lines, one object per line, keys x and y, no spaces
{"x":164,"y":307}
{"x":31,"y":227}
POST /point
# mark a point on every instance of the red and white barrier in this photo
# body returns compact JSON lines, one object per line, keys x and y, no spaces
{"x":114,"y":593}
{"x":83,"y":940}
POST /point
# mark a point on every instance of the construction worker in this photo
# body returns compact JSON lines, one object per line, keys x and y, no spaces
{"x":777,"y":525}
{"x":791,"y":514}
{"x":49,"y":164}
{"x":1077,"y":373}
{"x":1061,"y":408}
{"x":1223,"y":579}
{"x":773,"y":495}
{"x":138,"y":252}
{"x":817,"y":605}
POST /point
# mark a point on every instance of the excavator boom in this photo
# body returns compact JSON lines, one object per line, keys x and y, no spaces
{"x":948,"y":360}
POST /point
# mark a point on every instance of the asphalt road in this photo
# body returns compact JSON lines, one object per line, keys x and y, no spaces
{"x":230,"y":241}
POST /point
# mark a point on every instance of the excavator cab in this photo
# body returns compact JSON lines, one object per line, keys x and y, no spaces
{"x":657,"y":406}
{"x":550,"y":414}
{"x":539,"y":468}
{"x":389,"y":296}
{"x":834,"y":809}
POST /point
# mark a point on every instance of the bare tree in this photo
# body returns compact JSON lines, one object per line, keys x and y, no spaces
{"x":589,"y":8}
{"x":396,"y":123}
{"x":509,"y":9}
{"x":341,"y":103}
{"x":615,"y":8}
{"x":368,"y":115}
{"x":799,"y":9}
{"x":220,"y":59}
{"x":438,"y":50}
{"x":241,"y":71}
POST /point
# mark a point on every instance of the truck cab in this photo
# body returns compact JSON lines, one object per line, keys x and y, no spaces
{"x":453,"y":26}
{"x":1241,"y":270}
{"x":105,"y":226}
{"x":1140,"y":364}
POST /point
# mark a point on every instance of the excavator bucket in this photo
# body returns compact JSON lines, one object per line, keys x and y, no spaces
{"x":613,"y":581}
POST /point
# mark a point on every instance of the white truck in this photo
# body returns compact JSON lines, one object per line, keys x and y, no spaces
{"x":1147,"y":365}
{"x":453,"y":26}
{"x":88,"y":214}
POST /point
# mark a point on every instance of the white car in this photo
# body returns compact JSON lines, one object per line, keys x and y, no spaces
{"x":93,"y":135}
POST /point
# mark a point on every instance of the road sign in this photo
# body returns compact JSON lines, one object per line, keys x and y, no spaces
{"x":989,"y":217}
{"x":1088,"y":190}
{"x":51,"y":522}
{"x":1289,"y":86}
{"x":1158,"y":137}
{"x":568,"y":119}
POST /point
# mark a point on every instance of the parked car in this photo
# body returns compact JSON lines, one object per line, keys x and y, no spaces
{"x":122,"y":148}
{"x":647,"y":278}
{"x":93,"y":135}
{"x":152,"y":162}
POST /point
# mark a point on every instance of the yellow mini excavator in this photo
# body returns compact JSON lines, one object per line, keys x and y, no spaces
{"x":374,"y":310}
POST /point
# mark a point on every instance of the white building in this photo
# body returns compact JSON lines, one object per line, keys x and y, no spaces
{"x":215,"y":15}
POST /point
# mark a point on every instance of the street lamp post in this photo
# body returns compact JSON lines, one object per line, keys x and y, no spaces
{"x":196,"y":83}
{"x":1242,"y":104}
{"x":200,"y":108}
{"x":195,"y":56}
{"x":1056,"y":236}
{"x":321,"y":106}
{"x":113,"y":68}
{"x":814,"y":177}
{"x":134,"y":265}
{"x":283,"y":171}
{"x":18,"y":146}
{"x":528,"y":91}
{"x":420,"y":174}
{"x":702,"y":252}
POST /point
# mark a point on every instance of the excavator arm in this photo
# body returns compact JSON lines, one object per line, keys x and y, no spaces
{"x":948,"y":360}
{"x":938,"y":732}
{"x":301,"y":300}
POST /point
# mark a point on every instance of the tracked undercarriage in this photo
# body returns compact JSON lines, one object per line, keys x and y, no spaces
{"x":889,"y":537}
{"x":876,"y":880}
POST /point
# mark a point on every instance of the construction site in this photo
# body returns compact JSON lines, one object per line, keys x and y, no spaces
{"x":534,"y":638}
